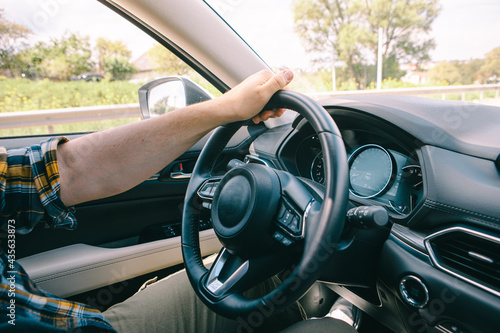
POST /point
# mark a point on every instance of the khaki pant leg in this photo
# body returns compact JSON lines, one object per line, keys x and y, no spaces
{"x":169,"y":305}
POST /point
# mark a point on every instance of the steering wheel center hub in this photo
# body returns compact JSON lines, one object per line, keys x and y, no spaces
{"x":243,"y":207}
{"x":235,"y":203}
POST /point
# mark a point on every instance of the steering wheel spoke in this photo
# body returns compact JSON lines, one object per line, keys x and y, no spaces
{"x":230,"y":274}
{"x":225,"y":273}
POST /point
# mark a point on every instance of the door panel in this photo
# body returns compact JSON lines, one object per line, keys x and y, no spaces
{"x":121,"y":218}
{"x":78,"y":268}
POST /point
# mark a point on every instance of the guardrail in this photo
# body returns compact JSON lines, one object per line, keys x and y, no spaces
{"x":419,"y":91}
{"x":67,"y":115}
{"x":95,"y":113}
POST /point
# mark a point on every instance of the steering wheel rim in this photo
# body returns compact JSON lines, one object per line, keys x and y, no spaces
{"x":325,"y":221}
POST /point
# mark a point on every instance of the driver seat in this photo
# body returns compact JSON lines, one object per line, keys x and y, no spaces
{"x":323,"y":325}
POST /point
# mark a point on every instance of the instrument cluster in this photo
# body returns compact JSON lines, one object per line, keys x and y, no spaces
{"x":379,"y":170}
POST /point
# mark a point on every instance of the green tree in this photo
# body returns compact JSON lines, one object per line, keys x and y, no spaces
{"x":470,"y":71}
{"x":60,"y":58}
{"x":165,"y":62}
{"x":30,"y":61}
{"x":12,"y":36}
{"x":390,"y":69}
{"x":119,"y":67}
{"x":106,"y":48}
{"x":490,"y":70}
{"x":445,"y":71}
{"x":406,"y":26}
{"x":347,"y":30}
{"x":328,"y":29}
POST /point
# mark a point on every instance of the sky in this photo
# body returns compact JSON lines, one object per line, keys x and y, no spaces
{"x":465,"y":29}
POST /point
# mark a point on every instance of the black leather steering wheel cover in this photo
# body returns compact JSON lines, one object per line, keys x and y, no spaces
{"x":324,"y":224}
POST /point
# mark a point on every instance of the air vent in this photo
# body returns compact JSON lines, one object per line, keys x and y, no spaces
{"x":468,"y":254}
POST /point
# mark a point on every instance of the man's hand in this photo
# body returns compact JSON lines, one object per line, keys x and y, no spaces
{"x":247,"y":99}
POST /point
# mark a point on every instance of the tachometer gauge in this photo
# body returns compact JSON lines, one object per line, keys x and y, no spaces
{"x":413,"y":175}
{"x":371,"y":171}
{"x":317,"y":171}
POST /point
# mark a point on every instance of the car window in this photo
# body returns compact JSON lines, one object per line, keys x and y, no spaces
{"x":75,"y":66}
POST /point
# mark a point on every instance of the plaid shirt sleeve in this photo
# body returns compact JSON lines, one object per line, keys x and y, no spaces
{"x":29,"y":194}
{"x":29,"y":188}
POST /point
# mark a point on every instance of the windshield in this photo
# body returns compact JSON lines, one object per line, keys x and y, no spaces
{"x":346,"y":45}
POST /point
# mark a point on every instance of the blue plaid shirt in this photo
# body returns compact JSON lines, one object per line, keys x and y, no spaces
{"x":29,"y":194}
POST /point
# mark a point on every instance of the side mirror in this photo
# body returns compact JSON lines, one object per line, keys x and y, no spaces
{"x":168,"y":94}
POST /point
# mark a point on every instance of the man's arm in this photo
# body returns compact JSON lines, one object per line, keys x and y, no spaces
{"x":105,"y":163}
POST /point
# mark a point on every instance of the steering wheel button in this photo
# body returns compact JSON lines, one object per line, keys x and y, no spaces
{"x":295,"y":225}
{"x":279,"y":237}
{"x":287,"y":218}
{"x":213,"y":188}
{"x":205,"y":191}
{"x":281,"y":212}
{"x":286,"y":241}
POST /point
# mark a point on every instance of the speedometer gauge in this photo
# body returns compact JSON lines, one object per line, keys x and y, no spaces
{"x":371,"y":171}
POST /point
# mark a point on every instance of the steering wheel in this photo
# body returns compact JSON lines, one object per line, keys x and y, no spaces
{"x":266,"y":219}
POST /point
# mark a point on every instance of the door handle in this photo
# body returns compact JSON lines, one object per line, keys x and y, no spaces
{"x":180,"y":175}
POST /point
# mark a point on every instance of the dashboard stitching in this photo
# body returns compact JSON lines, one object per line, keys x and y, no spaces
{"x":450,"y":211}
{"x":464,"y":210}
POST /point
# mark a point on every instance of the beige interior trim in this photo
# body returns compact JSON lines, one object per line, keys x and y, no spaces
{"x":74,"y":269}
